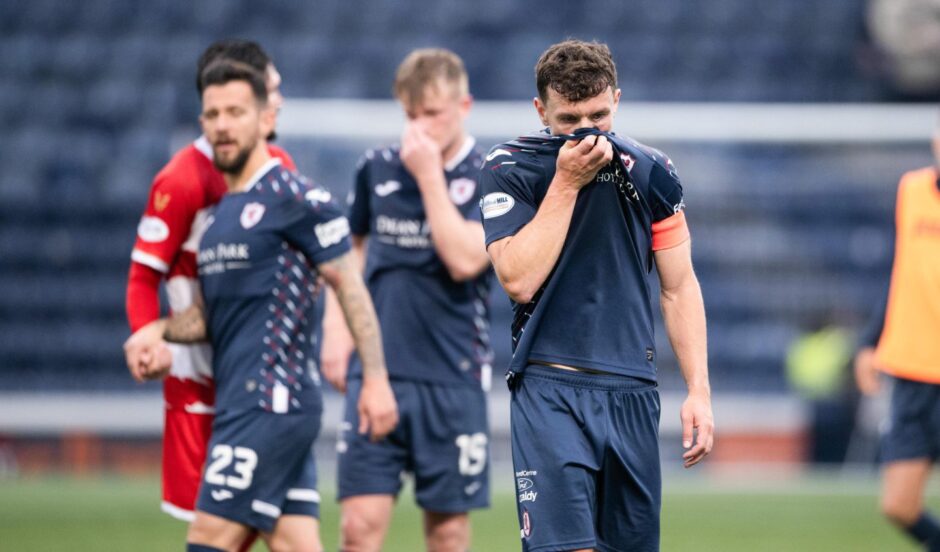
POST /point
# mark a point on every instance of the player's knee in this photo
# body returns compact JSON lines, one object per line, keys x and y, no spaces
{"x":901,"y":511}
{"x":279,"y":543}
{"x":447,"y":533}
{"x":360,"y":531}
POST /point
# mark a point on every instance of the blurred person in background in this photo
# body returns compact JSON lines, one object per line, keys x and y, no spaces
{"x":907,"y":35}
{"x":417,"y":234}
{"x":819,"y":368}
{"x":165,"y":250}
{"x":904,"y":343}
{"x":575,"y":217}
{"x":266,"y":244}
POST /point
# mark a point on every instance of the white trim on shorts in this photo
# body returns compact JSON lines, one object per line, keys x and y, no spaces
{"x":303,"y":495}
{"x":177,"y":512}
{"x":266,"y":508}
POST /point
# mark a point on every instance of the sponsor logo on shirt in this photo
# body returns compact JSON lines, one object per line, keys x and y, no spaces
{"x":404,"y":233}
{"x":461,"y":190}
{"x":251,"y":215}
{"x":332,"y":232}
{"x":496,"y":204}
{"x":222,"y":257}
{"x":387,"y":188}
{"x":524,"y":483}
{"x":153,"y":230}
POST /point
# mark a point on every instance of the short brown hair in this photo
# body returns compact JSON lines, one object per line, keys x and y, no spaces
{"x":424,"y":67}
{"x":575,"y":69}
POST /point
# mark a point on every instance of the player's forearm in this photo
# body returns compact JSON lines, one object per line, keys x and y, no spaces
{"x":346,"y":280}
{"x":458,"y":242}
{"x":334,"y":321}
{"x":684,"y":316}
{"x":525,"y":261}
{"x":188,"y":326}
{"x":142,"y":301}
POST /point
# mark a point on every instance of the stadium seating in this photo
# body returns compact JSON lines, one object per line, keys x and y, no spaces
{"x":94,"y":91}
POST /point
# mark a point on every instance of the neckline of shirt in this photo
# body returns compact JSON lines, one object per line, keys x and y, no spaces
{"x":202,"y":144}
{"x":461,"y":155}
{"x":263,"y":170}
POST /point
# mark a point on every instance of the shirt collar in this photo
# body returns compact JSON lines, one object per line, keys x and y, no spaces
{"x":263,"y":170}
{"x":461,"y":155}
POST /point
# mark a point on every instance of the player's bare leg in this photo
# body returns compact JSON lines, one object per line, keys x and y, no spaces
{"x":902,"y":491}
{"x":217,"y":532}
{"x":364,"y":522}
{"x":446,"y":532}
{"x":294,"y":533}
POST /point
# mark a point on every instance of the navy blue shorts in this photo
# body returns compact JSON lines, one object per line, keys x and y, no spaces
{"x":442,"y":438}
{"x":585,"y":450}
{"x":913,"y":429}
{"x":261,"y":466}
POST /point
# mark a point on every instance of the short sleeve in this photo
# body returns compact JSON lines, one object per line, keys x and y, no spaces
{"x":669,"y":227}
{"x":507,"y":200}
{"x":359,"y":217}
{"x":316,"y":225}
{"x":167,"y":220}
{"x":665,"y":190}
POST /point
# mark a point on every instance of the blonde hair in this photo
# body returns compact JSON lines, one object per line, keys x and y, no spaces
{"x":425,"y":67}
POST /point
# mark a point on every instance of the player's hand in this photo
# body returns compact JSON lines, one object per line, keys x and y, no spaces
{"x":159,"y":360}
{"x":140,"y":349}
{"x":698,"y":428}
{"x":579,"y":162}
{"x":378,"y":411}
{"x":420,"y":154}
{"x":867,"y":374}
{"x":338,"y":346}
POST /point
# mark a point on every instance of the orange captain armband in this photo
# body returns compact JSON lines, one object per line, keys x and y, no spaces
{"x":670,"y":231}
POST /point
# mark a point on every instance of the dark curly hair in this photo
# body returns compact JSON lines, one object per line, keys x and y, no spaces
{"x":575,"y":69}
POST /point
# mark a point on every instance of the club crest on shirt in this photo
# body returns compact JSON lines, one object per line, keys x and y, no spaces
{"x":251,"y":214}
{"x":160,"y":201}
{"x":461,"y":190}
{"x":628,"y":161}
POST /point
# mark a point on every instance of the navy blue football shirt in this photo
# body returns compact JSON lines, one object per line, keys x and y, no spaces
{"x":594,"y":310}
{"x":257,"y":268}
{"x":433,"y":328}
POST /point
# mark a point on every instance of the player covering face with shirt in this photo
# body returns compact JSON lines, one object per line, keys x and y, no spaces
{"x":575,"y":216}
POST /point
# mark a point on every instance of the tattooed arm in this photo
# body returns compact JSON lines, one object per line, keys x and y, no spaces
{"x":338,"y":344}
{"x":146,"y":353}
{"x":378,"y":413}
{"x":188,"y":326}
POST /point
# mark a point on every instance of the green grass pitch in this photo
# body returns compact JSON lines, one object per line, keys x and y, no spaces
{"x":804,"y":515}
